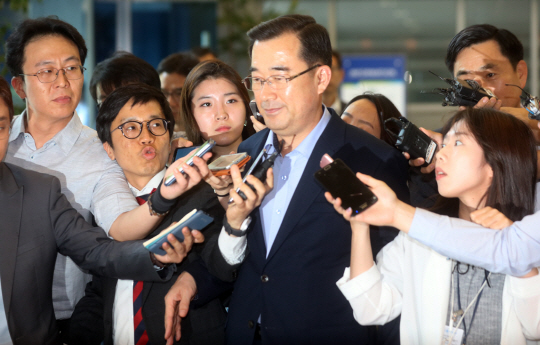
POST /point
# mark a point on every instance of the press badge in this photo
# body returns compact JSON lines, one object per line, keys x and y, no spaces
{"x":456,"y":340}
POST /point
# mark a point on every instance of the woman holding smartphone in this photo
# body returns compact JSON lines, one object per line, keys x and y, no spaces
{"x":215,"y":104}
{"x":488,"y":159}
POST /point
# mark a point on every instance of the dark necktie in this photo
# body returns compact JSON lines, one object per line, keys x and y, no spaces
{"x":141,"y":337}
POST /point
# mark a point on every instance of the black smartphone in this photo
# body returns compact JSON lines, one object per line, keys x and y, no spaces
{"x":337,"y":178}
{"x":255,"y":111}
{"x":181,"y":152}
{"x":257,"y":170}
{"x":411,"y":139}
{"x":204,"y":148}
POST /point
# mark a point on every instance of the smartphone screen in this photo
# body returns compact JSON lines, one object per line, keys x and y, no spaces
{"x":341,"y":182}
{"x":181,"y":152}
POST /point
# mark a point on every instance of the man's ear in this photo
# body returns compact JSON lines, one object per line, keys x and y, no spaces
{"x":324,"y":74}
{"x":522,"y":72}
{"x":109,"y":150}
{"x":18,"y":85}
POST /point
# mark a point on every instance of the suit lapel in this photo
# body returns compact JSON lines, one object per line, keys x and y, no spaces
{"x":11,"y":203}
{"x":308,"y":189}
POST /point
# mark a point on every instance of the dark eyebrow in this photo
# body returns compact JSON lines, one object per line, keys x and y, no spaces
{"x":4,"y":118}
{"x":202,"y":97}
{"x":359,"y":120}
{"x":48,"y":62}
{"x":131,"y":118}
{"x":487,"y":66}
{"x":483,"y":68}
{"x":274,"y":68}
{"x":365,"y":122}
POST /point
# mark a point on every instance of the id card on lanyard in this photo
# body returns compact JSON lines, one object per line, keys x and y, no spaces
{"x":454,"y":335}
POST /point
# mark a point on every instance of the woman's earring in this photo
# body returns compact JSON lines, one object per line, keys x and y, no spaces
{"x":245,"y":123}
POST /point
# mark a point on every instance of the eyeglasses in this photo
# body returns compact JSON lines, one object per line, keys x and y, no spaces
{"x":48,"y":75}
{"x":276,"y":82}
{"x":175,"y":93}
{"x":132,"y":129}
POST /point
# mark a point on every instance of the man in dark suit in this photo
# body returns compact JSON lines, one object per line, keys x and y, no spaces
{"x":37,"y":223}
{"x":142,"y":155}
{"x":298,"y":247}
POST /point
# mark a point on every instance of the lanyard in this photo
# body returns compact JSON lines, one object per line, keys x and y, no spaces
{"x":454,"y":315}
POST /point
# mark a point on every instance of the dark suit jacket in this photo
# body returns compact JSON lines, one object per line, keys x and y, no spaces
{"x":204,"y":325}
{"x":294,"y":289}
{"x":38,"y":222}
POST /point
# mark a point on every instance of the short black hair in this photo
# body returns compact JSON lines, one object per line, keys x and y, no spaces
{"x":5,"y":94}
{"x":202,"y":51}
{"x":337,"y":55}
{"x":32,"y":29}
{"x":316,"y":46}
{"x":137,"y":93}
{"x":121,"y":69}
{"x":180,"y":63}
{"x":509,"y":44}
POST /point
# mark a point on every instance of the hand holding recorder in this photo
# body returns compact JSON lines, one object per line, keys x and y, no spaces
{"x":185,"y":173}
{"x":241,"y":207}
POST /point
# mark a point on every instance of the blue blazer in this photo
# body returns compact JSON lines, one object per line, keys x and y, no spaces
{"x":294,"y":289}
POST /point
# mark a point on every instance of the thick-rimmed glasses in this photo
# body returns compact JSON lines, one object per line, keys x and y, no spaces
{"x":132,"y":129}
{"x":276,"y":82}
{"x":48,"y":75}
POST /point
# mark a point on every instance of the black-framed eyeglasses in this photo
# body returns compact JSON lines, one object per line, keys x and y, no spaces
{"x":48,"y":75}
{"x":276,"y":82}
{"x":133,"y":129}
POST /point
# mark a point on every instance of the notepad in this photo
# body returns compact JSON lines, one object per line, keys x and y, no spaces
{"x":194,"y":220}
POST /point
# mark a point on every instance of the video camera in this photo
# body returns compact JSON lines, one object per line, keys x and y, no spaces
{"x":461,"y":92}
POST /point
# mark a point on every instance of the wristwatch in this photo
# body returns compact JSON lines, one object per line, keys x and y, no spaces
{"x":238,"y":233}
{"x":151,"y":208}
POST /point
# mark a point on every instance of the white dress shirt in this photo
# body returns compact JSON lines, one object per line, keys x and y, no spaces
{"x":123,"y":330}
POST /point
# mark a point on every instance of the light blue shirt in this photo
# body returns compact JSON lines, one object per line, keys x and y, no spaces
{"x":91,"y":181}
{"x":514,"y":250}
{"x":287,"y":173}
{"x":5,"y":338}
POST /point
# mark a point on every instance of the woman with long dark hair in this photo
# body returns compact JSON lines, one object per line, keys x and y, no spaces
{"x":215,"y":104}
{"x":487,"y":159}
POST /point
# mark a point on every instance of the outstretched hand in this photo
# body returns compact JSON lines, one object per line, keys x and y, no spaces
{"x":387,"y":211}
{"x":177,"y":305}
{"x":240,"y":209}
{"x":176,"y":250}
{"x":490,"y":218}
{"x":194,"y":174}
{"x":418,"y":162}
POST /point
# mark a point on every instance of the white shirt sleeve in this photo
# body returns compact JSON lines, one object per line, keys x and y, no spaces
{"x":233,"y":248}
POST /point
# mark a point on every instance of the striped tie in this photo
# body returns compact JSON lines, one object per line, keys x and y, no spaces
{"x":141,"y":337}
